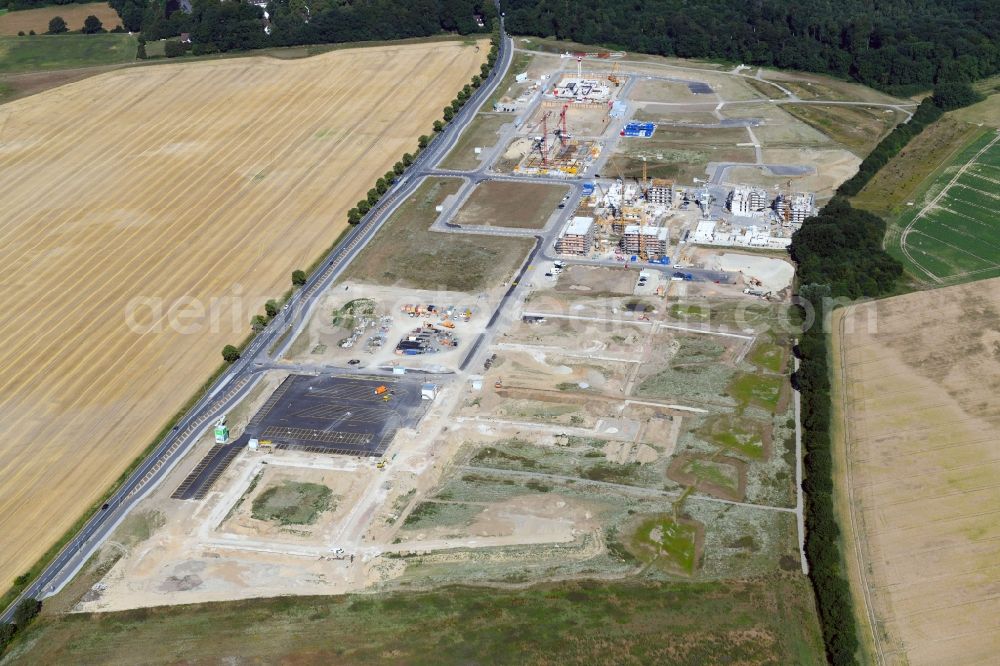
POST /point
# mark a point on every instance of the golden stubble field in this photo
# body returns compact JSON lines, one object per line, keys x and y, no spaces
{"x":177,"y":184}
{"x":922,"y":519}
{"x":38,"y":19}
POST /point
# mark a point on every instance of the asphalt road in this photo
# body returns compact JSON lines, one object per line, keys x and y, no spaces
{"x":243,"y":375}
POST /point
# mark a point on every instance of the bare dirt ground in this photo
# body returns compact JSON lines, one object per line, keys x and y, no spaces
{"x":195,"y":195}
{"x":26,"y":20}
{"x":833,"y":166}
{"x":919,"y":395}
{"x":320,"y":341}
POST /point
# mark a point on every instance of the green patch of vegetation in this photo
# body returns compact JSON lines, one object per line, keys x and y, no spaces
{"x":292,"y":503}
{"x":665,"y":540}
{"x":696,"y":349}
{"x":761,"y":390}
{"x":491,"y":456}
{"x":697,"y":381}
{"x":432,"y":514}
{"x":47,"y":52}
{"x":687,"y":312}
{"x":762,"y":620}
{"x":610,"y":472}
{"x":359,"y":307}
{"x":716,"y":473}
{"x":955,"y":240}
{"x":736,"y":433}
{"x":768,"y":356}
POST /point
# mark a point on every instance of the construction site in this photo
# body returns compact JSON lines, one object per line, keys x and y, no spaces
{"x":609,"y":396}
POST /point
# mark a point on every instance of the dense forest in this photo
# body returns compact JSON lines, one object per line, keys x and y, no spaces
{"x":895,"y":45}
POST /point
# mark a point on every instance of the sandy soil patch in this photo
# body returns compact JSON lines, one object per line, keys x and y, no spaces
{"x":832,"y":168}
{"x":921,"y":408}
{"x":774,"y":274}
{"x":191,"y":197}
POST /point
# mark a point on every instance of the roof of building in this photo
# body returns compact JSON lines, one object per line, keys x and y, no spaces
{"x":661,"y":233}
{"x":579,"y":226}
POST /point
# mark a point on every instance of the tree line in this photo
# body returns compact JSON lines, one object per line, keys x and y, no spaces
{"x":228,"y":25}
{"x":947,"y":96}
{"x":838,"y":254}
{"x":24,"y":613}
{"x":895,"y":45}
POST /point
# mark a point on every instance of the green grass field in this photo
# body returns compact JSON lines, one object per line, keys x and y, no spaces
{"x":664,"y":541}
{"x":735,"y":433}
{"x":761,"y":621}
{"x":292,"y":503}
{"x":761,"y":390}
{"x":951,"y":236}
{"x":48,"y":52}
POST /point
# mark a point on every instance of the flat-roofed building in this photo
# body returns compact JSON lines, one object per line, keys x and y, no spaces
{"x":661,"y":191}
{"x":655,"y":240}
{"x":577,"y":237}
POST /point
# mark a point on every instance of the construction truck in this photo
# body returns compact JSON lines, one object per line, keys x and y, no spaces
{"x":380,"y":390}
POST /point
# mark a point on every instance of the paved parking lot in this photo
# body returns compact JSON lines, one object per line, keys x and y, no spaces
{"x":346,"y":415}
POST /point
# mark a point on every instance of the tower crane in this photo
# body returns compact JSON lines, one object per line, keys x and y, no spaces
{"x":543,"y":143}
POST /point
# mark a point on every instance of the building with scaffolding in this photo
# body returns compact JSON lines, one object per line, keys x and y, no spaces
{"x":661,"y":192}
{"x":577,"y":237}
{"x":794,"y":209}
{"x":747,"y":201}
{"x":654,"y":240}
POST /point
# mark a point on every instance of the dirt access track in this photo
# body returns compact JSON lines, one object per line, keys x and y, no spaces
{"x":921,"y":409}
{"x":198,"y":186}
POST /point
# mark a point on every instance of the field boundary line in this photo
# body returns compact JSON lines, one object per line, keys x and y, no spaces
{"x":852,"y":506}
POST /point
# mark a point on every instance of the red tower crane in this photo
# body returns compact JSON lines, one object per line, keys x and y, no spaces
{"x":563,"y":133}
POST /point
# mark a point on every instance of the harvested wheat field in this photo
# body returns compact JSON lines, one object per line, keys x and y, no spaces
{"x":38,"y":19}
{"x":178,"y":184}
{"x":922,"y":520}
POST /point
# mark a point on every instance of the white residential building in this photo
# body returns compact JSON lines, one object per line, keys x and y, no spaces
{"x":747,"y":201}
